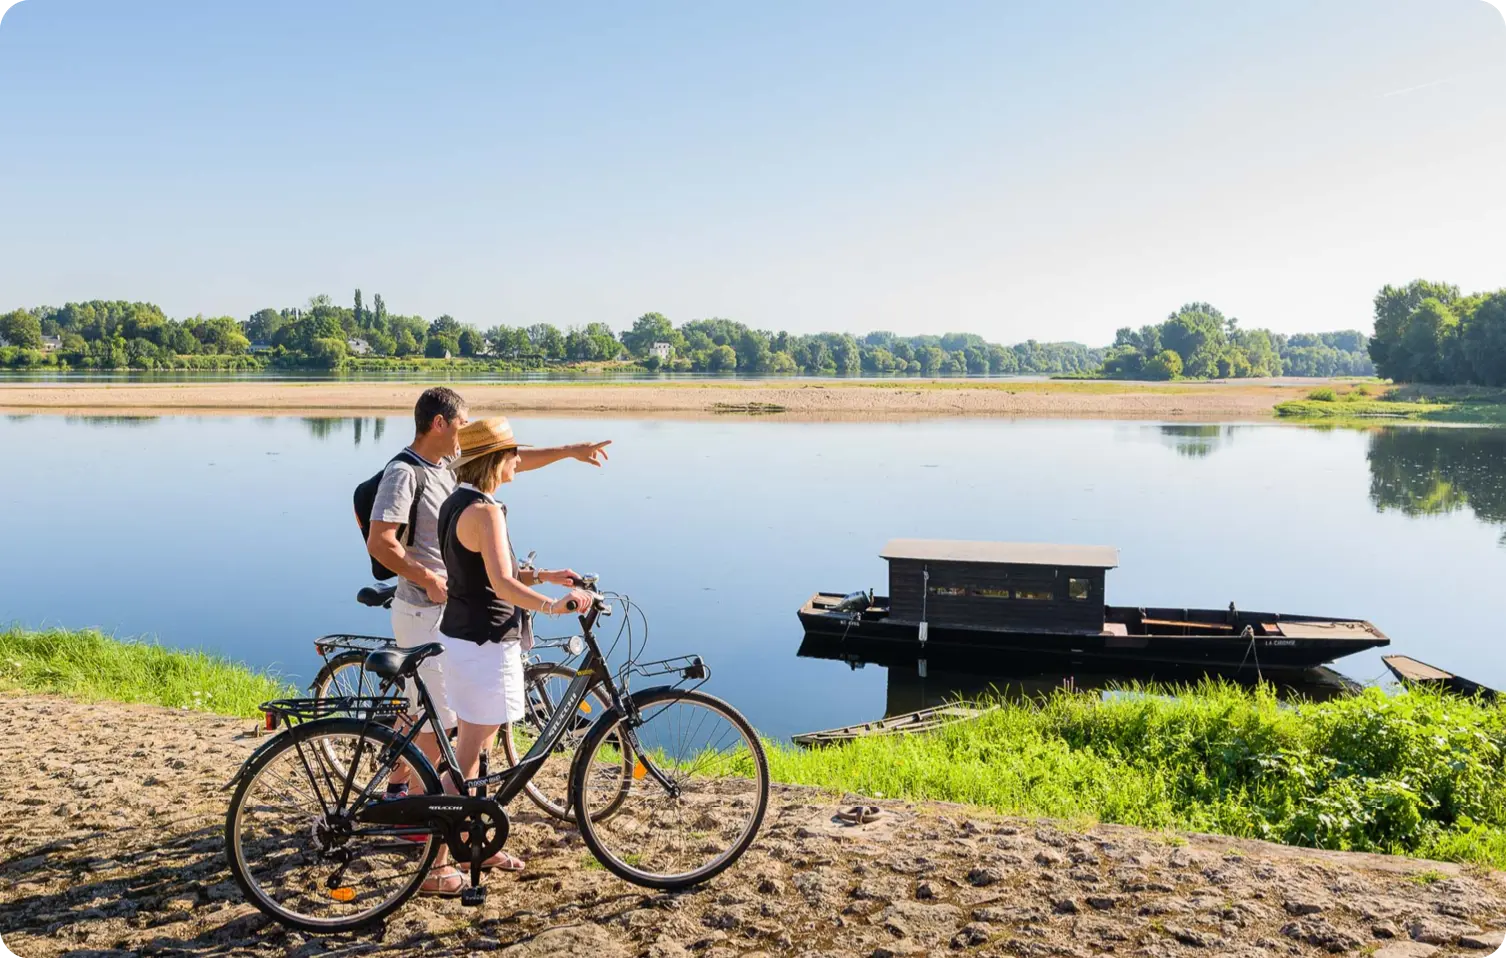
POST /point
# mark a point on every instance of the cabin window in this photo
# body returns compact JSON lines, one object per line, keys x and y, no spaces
{"x":991,"y":593}
{"x":1077,"y":588}
{"x":948,"y":590}
{"x":1033,"y":595}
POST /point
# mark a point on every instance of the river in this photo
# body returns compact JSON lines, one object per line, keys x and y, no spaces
{"x":235,"y":534}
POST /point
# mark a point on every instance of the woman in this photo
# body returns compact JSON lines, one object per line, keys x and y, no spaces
{"x":486,"y":623}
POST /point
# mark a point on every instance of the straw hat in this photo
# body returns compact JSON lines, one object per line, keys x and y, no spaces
{"x":484,"y":436}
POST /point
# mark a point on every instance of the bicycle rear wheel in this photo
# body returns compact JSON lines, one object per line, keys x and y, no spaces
{"x":549,"y":788}
{"x":294,"y":849}
{"x":345,"y":675}
{"x":696,"y":792}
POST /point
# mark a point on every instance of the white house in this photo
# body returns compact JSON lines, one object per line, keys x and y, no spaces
{"x":659,"y":351}
{"x":358,"y":346}
{"x":52,"y":343}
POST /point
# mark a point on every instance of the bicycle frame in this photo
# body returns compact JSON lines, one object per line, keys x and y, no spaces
{"x":511,"y":781}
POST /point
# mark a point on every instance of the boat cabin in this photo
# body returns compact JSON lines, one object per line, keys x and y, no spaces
{"x":1027,"y":587}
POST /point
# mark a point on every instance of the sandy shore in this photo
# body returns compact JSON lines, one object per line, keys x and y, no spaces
{"x":795,"y":400}
{"x":111,"y":846}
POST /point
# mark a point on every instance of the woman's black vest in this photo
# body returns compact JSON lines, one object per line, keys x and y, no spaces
{"x":473,"y":611}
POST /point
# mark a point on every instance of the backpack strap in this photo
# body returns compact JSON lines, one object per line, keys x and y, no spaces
{"x":420,"y":479}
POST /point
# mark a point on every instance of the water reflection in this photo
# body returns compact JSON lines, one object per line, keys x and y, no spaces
{"x":327,"y":427}
{"x":1195,"y":441}
{"x":910,"y":687}
{"x":1431,"y":472}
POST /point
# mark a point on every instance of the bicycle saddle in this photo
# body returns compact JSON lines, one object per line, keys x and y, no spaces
{"x":391,"y":663}
{"x":375,"y":596}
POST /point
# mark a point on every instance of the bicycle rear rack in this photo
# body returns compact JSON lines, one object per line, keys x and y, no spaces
{"x":339,"y":642}
{"x":291,"y":712}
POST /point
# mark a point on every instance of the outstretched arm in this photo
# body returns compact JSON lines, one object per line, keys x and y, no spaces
{"x":594,"y":453}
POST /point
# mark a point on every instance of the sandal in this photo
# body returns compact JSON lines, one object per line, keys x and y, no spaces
{"x":860,"y":814}
{"x":443,"y":882}
{"x":504,"y":862}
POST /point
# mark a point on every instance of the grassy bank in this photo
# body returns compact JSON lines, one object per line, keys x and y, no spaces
{"x":1346,"y":403}
{"x":1415,"y":773}
{"x":91,"y":666}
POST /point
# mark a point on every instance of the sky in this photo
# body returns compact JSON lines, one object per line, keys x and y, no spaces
{"x":1052,"y":169}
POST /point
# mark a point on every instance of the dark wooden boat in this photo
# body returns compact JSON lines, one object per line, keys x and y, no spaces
{"x":1411,"y":672}
{"x":1047,"y":602}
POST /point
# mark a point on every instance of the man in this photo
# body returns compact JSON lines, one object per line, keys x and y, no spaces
{"x":419,"y":602}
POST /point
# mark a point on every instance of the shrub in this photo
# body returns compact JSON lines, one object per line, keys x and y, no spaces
{"x":1323,"y":394}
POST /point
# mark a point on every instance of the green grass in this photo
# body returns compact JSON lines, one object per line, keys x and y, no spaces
{"x":94,"y":667}
{"x":1361,"y":402}
{"x":1414,"y":773}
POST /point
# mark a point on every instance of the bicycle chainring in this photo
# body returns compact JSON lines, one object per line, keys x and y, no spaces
{"x":491,"y":825}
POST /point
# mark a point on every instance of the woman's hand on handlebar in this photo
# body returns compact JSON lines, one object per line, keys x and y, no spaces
{"x":565,"y":577}
{"x":580,"y":598}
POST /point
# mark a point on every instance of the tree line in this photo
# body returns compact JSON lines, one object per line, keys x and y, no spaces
{"x":1429,"y":332}
{"x":322,"y":334}
{"x":1200,"y":342}
{"x":1197,"y":341}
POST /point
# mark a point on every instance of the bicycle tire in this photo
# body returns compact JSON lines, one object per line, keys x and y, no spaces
{"x":564,"y":810}
{"x":380,"y":736}
{"x":644,"y":703}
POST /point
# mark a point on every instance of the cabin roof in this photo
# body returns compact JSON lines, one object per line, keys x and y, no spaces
{"x":1004,"y":553}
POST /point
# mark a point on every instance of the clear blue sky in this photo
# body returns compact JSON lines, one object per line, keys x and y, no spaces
{"x":1052,"y":169}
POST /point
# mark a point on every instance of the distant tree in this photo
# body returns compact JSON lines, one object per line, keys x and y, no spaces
{"x":327,"y":352}
{"x":1166,"y":364}
{"x":21,"y":329}
{"x":442,"y":345}
{"x":359,"y":312}
{"x":406,"y":343}
{"x":469,"y":342}
{"x":723,"y":359}
{"x":1393,"y":307}
{"x":648,"y":329}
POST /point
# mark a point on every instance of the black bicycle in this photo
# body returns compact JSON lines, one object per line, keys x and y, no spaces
{"x":344,"y":675}
{"x":669,"y":788}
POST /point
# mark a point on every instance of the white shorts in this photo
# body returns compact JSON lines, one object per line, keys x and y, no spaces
{"x":415,"y":625}
{"x":485,"y":681}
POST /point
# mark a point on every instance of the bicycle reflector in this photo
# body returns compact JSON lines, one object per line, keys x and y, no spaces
{"x":343,"y":894}
{"x":270,"y":720}
{"x":585,"y":707}
{"x":639,"y":769}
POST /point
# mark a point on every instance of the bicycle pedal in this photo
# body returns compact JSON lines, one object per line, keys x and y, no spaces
{"x":472,"y":897}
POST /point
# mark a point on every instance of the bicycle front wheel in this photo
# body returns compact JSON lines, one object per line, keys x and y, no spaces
{"x":293,"y":847}
{"x":696,"y":790}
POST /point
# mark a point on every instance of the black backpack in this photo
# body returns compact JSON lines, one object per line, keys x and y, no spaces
{"x":365,"y":498}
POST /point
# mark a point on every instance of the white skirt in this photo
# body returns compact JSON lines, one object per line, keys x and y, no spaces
{"x":484,"y":682}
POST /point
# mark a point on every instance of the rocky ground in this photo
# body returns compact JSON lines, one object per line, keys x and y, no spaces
{"x":111,"y":844}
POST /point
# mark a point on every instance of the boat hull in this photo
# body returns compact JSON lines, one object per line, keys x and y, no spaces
{"x":873,"y":631}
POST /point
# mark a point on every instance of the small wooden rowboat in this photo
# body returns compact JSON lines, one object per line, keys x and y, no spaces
{"x":923,"y":720}
{"x":1411,"y":672}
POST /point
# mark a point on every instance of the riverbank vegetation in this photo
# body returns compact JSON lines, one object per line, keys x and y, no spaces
{"x":1428,"y":332}
{"x":367,"y":337}
{"x":1412,"y":773}
{"x":1200,"y":342}
{"x":1415,"y":773}
{"x":94,"y":667}
{"x":1360,"y":402}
